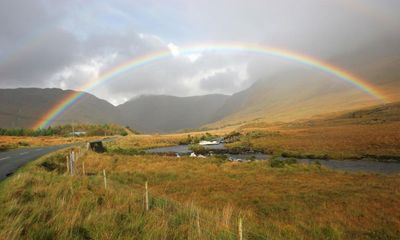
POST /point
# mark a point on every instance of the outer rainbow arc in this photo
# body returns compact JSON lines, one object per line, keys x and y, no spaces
{"x":339,"y":73}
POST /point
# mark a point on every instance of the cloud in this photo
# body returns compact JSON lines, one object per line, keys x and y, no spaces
{"x":223,"y":80}
{"x":68,"y":43}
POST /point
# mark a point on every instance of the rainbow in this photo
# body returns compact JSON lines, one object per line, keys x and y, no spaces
{"x":69,"y":100}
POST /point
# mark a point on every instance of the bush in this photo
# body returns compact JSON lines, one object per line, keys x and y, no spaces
{"x":291,"y":161}
{"x":125,"y":151}
{"x":276,"y":163}
{"x":23,"y":144}
{"x":221,"y":156}
{"x":66,"y":130}
{"x":7,"y":147}
{"x":317,"y":163}
{"x":252,"y":158}
{"x":198,"y":149}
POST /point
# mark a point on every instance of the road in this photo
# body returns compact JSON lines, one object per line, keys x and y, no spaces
{"x":11,"y":160}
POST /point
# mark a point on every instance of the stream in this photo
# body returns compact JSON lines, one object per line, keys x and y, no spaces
{"x":343,"y":165}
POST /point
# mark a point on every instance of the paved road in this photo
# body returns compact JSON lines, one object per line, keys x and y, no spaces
{"x":11,"y":160}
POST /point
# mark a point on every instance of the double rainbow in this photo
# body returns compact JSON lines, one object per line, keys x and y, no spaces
{"x":341,"y":74}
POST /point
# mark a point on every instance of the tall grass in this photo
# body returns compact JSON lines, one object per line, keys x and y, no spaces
{"x":291,"y":202}
{"x":350,"y":141}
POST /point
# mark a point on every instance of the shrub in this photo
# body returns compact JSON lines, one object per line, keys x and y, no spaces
{"x":23,"y":144}
{"x":276,"y":163}
{"x":317,"y":163}
{"x":124,"y":151}
{"x":291,"y":161}
{"x":197,"y":148}
{"x":221,"y":156}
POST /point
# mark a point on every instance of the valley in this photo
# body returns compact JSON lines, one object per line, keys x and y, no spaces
{"x":279,"y":195}
{"x":290,"y":200}
{"x":200,"y":120}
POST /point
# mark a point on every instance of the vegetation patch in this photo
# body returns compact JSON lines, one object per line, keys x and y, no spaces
{"x":66,"y":130}
{"x":278,"y":199}
{"x":124,"y":151}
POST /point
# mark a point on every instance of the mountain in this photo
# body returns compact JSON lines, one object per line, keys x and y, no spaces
{"x":300,"y":92}
{"x":23,"y":107}
{"x":296,"y":93}
{"x":159,"y":113}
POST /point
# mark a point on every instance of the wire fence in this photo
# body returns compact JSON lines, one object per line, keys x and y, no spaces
{"x":208,"y":224}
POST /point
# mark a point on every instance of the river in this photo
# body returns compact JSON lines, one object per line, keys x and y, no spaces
{"x":343,"y":165}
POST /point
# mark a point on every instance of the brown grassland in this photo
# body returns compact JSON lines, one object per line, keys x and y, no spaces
{"x":372,"y":132}
{"x":11,"y":142}
{"x":196,"y":198}
{"x":293,"y":202}
{"x":144,"y":141}
{"x":336,"y":142}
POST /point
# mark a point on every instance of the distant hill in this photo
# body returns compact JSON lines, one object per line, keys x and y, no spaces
{"x":300,"y":92}
{"x":289,"y":96}
{"x":22,"y":107}
{"x":158,"y":113}
{"x":380,"y":114}
{"x":295,"y":93}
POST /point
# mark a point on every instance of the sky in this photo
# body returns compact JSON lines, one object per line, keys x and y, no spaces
{"x":65,"y":44}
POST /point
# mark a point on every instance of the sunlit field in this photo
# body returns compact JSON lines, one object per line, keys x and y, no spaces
{"x":219,"y":120}
{"x":336,"y":142}
{"x":12,"y":142}
{"x":192,"y":198}
{"x":369,"y":133}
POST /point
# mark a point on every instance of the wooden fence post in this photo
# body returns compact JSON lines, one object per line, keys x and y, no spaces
{"x":72,"y":163}
{"x":198,"y":224}
{"x":105,"y":178}
{"x":146,"y":196}
{"x":68,"y":171}
{"x":240,"y":229}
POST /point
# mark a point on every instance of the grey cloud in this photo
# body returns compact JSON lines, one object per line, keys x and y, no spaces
{"x":40,"y":40}
{"x":39,"y":61}
{"x":172,"y":76}
{"x":223,"y":81}
{"x":32,"y":46}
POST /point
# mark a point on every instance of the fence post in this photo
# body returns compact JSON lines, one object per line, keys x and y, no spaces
{"x":105,"y":178}
{"x":83,"y":169}
{"x":240,"y":229}
{"x":198,"y":224}
{"x":72,"y":163}
{"x":68,"y":171}
{"x":146,"y":196}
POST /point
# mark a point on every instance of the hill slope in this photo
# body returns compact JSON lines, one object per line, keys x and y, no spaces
{"x":169,"y":113}
{"x":22,"y":107}
{"x":302,"y":92}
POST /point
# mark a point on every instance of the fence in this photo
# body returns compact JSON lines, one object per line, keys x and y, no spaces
{"x":202,"y":221}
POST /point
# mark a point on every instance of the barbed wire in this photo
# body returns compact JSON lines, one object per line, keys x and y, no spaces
{"x":209,"y":221}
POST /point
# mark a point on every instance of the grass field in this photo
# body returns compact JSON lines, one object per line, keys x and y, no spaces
{"x":153,"y":141}
{"x":196,"y":198}
{"x":372,"y":132}
{"x":381,"y":141}
{"x":11,"y":142}
{"x":293,"y":202}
